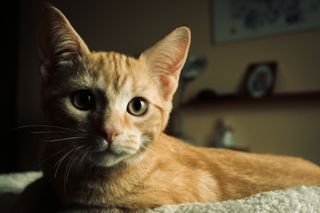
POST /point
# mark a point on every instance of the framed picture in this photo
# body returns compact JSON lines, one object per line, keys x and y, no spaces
{"x":259,"y":80}
{"x":234,"y":20}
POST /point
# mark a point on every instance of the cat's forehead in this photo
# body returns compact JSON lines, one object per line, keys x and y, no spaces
{"x":111,"y":68}
{"x":112,"y":71}
{"x":110,"y":63}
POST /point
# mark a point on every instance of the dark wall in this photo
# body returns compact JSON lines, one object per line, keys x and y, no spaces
{"x":9,"y":67}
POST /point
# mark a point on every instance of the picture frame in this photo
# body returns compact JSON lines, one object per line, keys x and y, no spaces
{"x":235,"y":20}
{"x":259,"y":80}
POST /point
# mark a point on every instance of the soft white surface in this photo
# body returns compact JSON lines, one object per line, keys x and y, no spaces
{"x":303,"y":199}
{"x":300,"y":199}
{"x":11,"y":185}
{"x":16,"y":182}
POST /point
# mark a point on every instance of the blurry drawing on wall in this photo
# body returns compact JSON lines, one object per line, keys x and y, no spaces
{"x":245,"y":19}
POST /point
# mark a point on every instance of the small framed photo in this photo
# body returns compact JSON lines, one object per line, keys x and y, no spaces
{"x":259,"y":80}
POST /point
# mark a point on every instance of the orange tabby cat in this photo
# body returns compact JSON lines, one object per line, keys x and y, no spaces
{"x":108,"y":147}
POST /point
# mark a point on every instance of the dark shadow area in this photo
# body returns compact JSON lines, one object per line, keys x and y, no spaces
{"x":10,"y":31}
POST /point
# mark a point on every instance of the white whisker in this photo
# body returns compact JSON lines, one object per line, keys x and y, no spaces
{"x":86,"y":152}
{"x":59,"y":162}
{"x":47,"y":132}
{"x":45,"y":126}
{"x":72,"y":158}
{"x":54,"y":154}
{"x":65,"y":139}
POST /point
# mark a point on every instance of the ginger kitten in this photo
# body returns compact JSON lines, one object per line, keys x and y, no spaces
{"x":108,"y":148}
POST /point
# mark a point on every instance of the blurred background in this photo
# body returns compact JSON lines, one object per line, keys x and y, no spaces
{"x":213,"y":107}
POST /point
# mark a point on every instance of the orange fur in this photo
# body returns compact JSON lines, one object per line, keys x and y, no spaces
{"x":153,"y":169}
{"x":174,"y":172}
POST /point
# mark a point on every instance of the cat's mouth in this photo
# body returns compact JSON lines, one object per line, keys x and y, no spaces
{"x":108,"y":151}
{"x":107,"y":158}
{"x":104,"y":154}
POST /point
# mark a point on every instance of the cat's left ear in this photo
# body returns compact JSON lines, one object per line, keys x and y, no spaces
{"x":166,"y":59}
{"x":60,"y":45}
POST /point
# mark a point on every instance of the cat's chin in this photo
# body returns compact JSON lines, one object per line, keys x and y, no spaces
{"x":108,"y":158}
{"x":107,"y":161}
{"x":105,"y":158}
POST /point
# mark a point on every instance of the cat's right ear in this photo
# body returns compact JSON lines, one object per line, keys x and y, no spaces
{"x":60,"y":45}
{"x":166,"y":58}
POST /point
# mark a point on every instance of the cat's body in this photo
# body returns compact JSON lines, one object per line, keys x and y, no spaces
{"x":107,"y":147}
{"x":178,"y":173}
{"x":181,"y":173}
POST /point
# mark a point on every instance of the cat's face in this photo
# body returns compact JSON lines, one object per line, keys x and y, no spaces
{"x":115,"y":105}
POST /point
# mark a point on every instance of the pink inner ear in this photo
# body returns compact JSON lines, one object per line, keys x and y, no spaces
{"x":169,"y":76}
{"x":166,"y":59}
{"x":169,"y":85}
{"x":178,"y":61}
{"x":176,"y":68}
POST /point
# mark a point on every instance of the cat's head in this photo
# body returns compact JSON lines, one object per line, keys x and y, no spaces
{"x":110,"y":105}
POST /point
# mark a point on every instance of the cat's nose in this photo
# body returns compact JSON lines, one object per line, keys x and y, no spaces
{"x":110,"y":134}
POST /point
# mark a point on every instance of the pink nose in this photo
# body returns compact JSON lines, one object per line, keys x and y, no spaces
{"x":109,"y":134}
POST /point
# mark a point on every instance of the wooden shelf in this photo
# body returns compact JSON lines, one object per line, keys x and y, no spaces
{"x":236,"y":100}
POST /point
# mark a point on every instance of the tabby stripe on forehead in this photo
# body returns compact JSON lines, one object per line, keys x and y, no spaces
{"x":101,"y":61}
{"x":127,"y":61}
{"x":115,"y":63}
{"x":117,"y":87}
{"x":122,"y":80}
{"x":118,"y":69}
{"x":121,"y":77}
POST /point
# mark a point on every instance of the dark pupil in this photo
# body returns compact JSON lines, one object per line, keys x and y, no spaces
{"x":137,"y":105}
{"x":83,"y":100}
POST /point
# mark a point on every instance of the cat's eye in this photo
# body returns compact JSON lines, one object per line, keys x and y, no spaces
{"x":83,"y":100}
{"x":137,"y":106}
